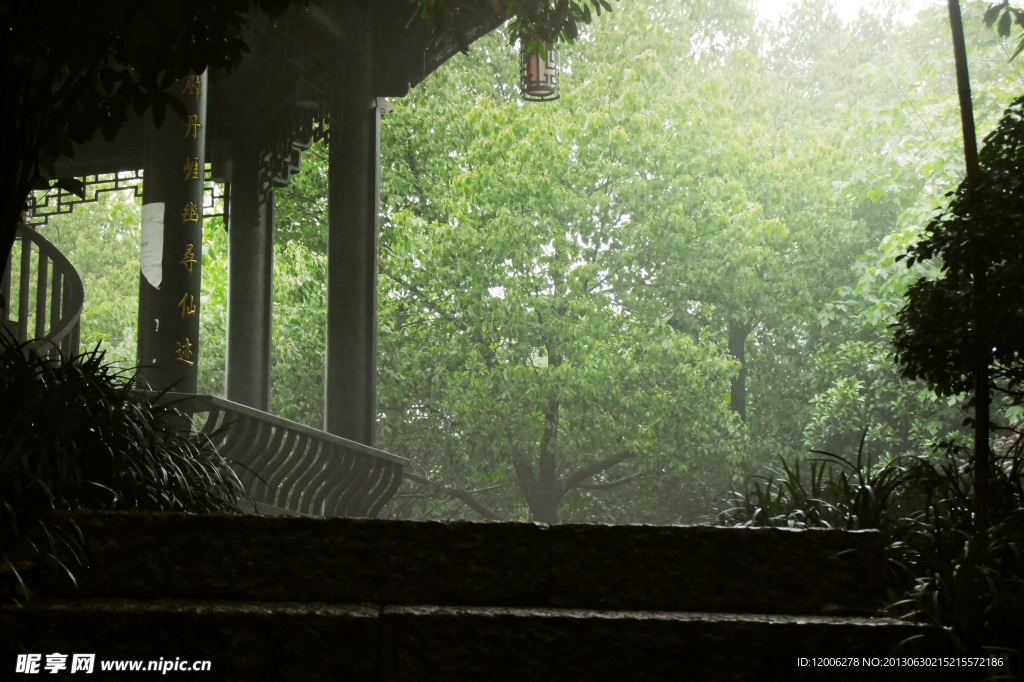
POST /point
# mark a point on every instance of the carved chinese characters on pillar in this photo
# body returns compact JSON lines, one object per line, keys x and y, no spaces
{"x":193,"y":126}
{"x":187,"y":304}
{"x":191,"y":213}
{"x":193,"y":86}
{"x":192,"y":171}
{"x":184,"y":351}
{"x":169,"y":342}
{"x":188,"y":259}
{"x":191,"y":168}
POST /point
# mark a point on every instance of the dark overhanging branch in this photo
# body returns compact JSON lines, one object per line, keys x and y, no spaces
{"x":575,"y":479}
{"x":460,"y":494}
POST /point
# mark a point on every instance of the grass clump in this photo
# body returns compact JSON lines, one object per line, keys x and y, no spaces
{"x":943,"y":568}
{"x":76,"y":434}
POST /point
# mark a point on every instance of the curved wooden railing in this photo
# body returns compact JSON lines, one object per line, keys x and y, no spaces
{"x":54,"y":319}
{"x":288,"y":466}
{"x":284,"y":466}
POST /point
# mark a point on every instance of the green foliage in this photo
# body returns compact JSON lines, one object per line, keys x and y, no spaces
{"x":214,"y":309}
{"x":522,"y":335}
{"x":904,"y":126}
{"x":300,"y":209}
{"x":76,"y":435}
{"x":300,"y":324}
{"x":533,"y":23}
{"x":766,"y":183}
{"x":825,"y":492}
{"x":934,"y":335}
{"x":102,"y":241}
{"x":970,"y":582}
{"x":1003,"y":17}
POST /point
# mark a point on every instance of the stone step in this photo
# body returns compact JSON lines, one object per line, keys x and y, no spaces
{"x":317,"y":641}
{"x":426,"y":643}
{"x":674,"y":568}
{"x":242,"y":641}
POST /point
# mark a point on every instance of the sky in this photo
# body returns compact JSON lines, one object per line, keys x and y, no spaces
{"x":771,"y":9}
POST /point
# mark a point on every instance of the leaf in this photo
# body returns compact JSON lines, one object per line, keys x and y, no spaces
{"x":178,"y":105}
{"x":992,"y":13}
{"x":46,"y":165}
{"x":1005,"y":22}
{"x":159,"y":104}
{"x":72,"y":185}
{"x":1020,"y":48}
{"x":41,"y":184}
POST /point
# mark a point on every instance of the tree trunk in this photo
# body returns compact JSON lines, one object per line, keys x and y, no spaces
{"x":544,"y":508}
{"x":983,"y":346}
{"x":738,"y":333}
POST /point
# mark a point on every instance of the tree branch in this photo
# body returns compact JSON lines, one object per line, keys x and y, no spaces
{"x":488,"y":488}
{"x":616,"y":483}
{"x":460,"y":494}
{"x":574,"y":480}
{"x":488,"y":354}
{"x":476,"y":505}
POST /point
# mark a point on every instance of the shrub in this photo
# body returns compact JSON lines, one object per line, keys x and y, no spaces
{"x":75,"y":434}
{"x":966,"y":580}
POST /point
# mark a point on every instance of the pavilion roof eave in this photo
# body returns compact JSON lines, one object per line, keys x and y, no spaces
{"x":419,"y":55}
{"x":257,"y":98}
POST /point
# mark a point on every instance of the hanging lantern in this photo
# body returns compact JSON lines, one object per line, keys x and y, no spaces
{"x":306,"y":96}
{"x":538,"y":74}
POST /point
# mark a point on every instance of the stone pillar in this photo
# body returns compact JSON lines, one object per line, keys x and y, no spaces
{"x":174,"y":160}
{"x":350,"y":404}
{"x":250,"y":283}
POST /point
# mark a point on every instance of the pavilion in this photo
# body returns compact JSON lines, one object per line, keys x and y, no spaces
{"x":320,"y":77}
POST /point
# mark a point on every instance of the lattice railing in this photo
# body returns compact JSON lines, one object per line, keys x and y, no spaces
{"x":281,"y":157}
{"x":294,"y":467}
{"x":46,"y":204}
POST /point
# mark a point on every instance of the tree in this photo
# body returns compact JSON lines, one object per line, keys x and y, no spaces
{"x":748,"y":191}
{"x":1003,"y":17}
{"x":889,"y":87}
{"x":519,"y":343}
{"x":102,"y":241}
{"x":674,"y":126}
{"x":978,"y":330}
{"x":932,"y":337}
